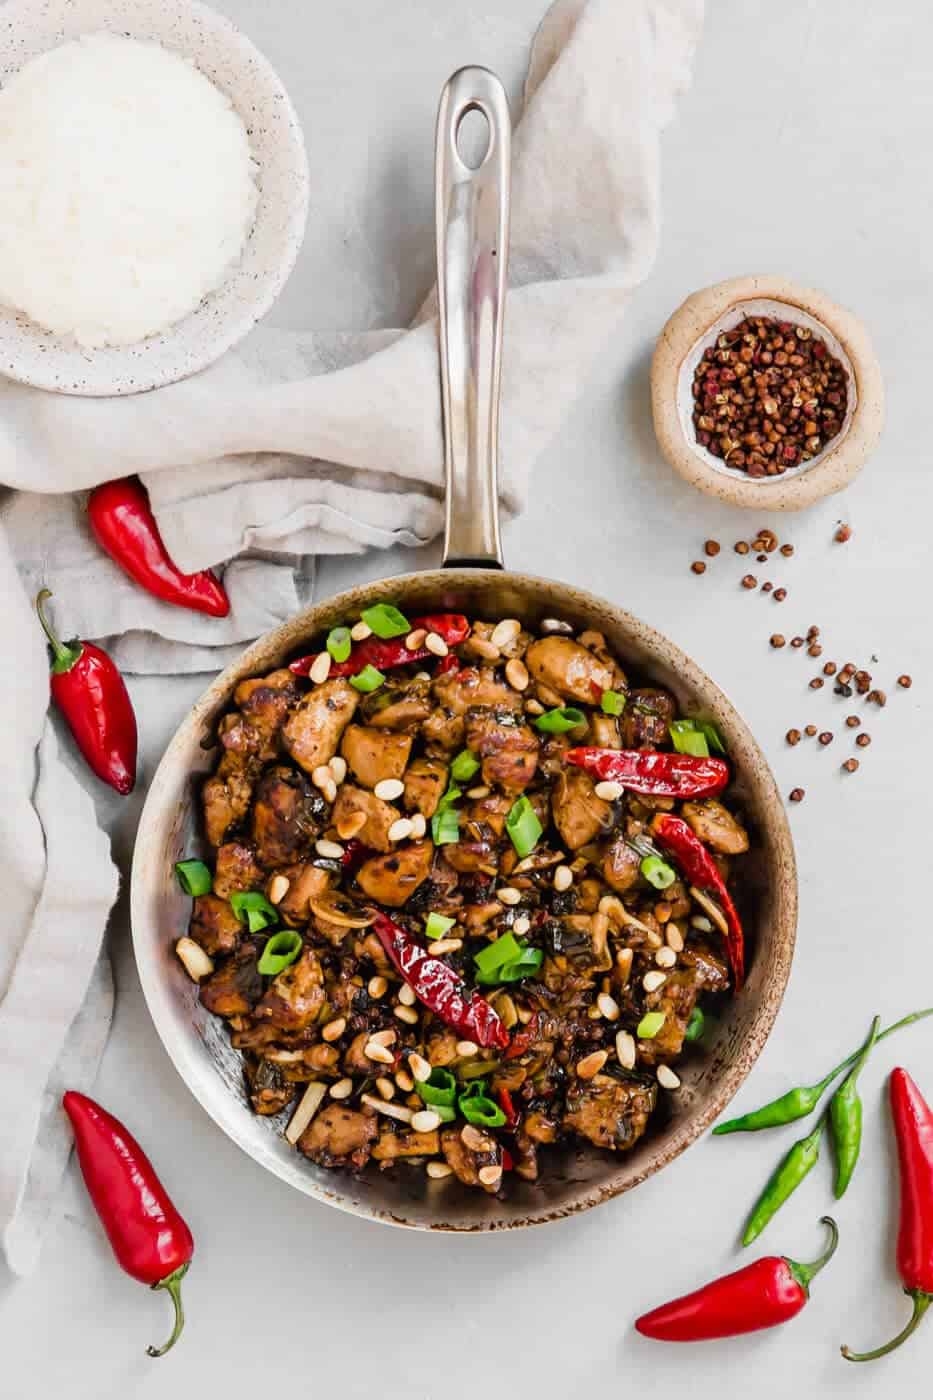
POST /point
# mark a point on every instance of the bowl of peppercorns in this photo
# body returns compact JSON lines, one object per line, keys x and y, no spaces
{"x":766,"y":394}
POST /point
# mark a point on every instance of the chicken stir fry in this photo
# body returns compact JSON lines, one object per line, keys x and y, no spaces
{"x":467,"y":891}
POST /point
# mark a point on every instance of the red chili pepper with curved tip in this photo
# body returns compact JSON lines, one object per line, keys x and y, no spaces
{"x":653,"y":774}
{"x":913,"y":1129}
{"x":150,"y":1239}
{"x":439,"y":988}
{"x":453,"y":628}
{"x":696,"y":863}
{"x":524,"y":1039}
{"x":124,"y":526}
{"x":92,"y":695}
{"x":508,"y":1108}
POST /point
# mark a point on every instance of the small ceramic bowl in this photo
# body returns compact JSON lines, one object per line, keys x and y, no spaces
{"x":35,"y":356}
{"x":696,"y":324}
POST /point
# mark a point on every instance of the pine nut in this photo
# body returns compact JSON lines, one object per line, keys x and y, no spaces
{"x":521,"y":925}
{"x":653,"y":980}
{"x":391,"y":1110}
{"x":415,"y":640}
{"x":322,"y":775}
{"x":490,"y":1176}
{"x":342,"y":1089}
{"x":625,"y":1049}
{"x":425,"y":1121}
{"x":436,"y":644}
{"x":667,"y":1078}
{"x":563,"y":877}
{"x":609,"y":791}
{"x":533,"y":707}
{"x":466,"y":1048}
{"x":308,"y":1105}
{"x":338,"y":766}
{"x":419,"y":1067}
{"x":675,"y":938}
{"x":608,"y":1006}
{"x":329,"y":850}
{"x":623,"y":966}
{"x":334,"y":1029}
{"x":329,"y":791}
{"x":438,"y":1170}
{"x":475,"y":1140}
{"x":386,"y":1037}
{"x":445,"y":945}
{"x":419,"y":825}
{"x":195,"y":961}
{"x":665,"y":957}
{"x":484,"y":649}
{"x":389,"y":789}
{"x":407,"y":1014}
{"x":404,"y":1081}
{"x":701,"y":922}
{"x":320,"y":668}
{"x":591,"y":1064}
{"x":481,"y":790}
{"x":278,"y":888}
{"x":377,"y":987}
{"x":361,"y":631}
{"x":385,"y":1087}
{"x":516,"y":674}
{"x":379,"y":1053}
{"x":406,"y":996}
{"x":508,"y":895}
{"x":400,"y":830}
{"x":351,"y":825}
{"x":505,"y":632}
{"x":525,"y":1014}
{"x":593,"y":1013}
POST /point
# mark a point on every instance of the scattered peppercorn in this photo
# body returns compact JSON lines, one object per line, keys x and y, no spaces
{"x":863,"y":740}
{"x":853,"y":721}
{"x":843,"y":534}
{"x":797,"y":795}
{"x":777,"y":640}
{"x":812,"y":632}
{"x":793,"y":736}
{"x":826,"y":738}
{"x":905,"y":682}
{"x":817,"y":683}
{"x":862,"y":682}
{"x":749,"y":581}
{"x":841,"y":688}
{"x":712,"y":548}
{"x":787,"y":550}
{"x":810,"y":730}
{"x":829,"y":668}
{"x":780,"y":594}
{"x":814,"y":649}
{"x":761,"y":558}
{"x":851,"y":765}
{"x":796,"y":641}
{"x":698,"y":566}
{"x":767,"y":540}
{"x":877,"y":697}
{"x":766,"y":587}
{"x":741,"y":546}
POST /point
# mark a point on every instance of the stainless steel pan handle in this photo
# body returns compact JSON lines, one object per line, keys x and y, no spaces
{"x":472,"y":212}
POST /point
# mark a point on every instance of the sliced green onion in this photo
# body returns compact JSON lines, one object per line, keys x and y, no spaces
{"x":496,"y":955}
{"x":464,"y":766}
{"x":523,"y":826}
{"x":696,"y":1025}
{"x":385,"y":620}
{"x":436,"y":926}
{"x":254,"y":908}
{"x":688,"y":738}
{"x":194,"y":877}
{"x":713,"y":736}
{"x":525,"y":966}
{"x":368,"y":679}
{"x":560,"y":720}
{"x":612,"y":702}
{"x":482,"y":1112}
{"x":339,"y":643}
{"x":280,"y":952}
{"x":650,"y":1024}
{"x":439,"y":1089}
{"x":506,"y":960}
{"x":657,"y":872}
{"x":445,"y":824}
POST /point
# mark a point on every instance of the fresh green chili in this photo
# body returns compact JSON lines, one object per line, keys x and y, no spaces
{"x":845,"y":1116}
{"x":793,"y":1168}
{"x":439,"y":1089}
{"x":479,"y":1109}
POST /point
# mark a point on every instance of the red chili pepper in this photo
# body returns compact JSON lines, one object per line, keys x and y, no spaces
{"x":654,"y":774}
{"x":508,"y":1161}
{"x":151,"y":1241}
{"x":507,"y":1106}
{"x":354,"y":854}
{"x":763,"y":1294}
{"x":447,"y":663}
{"x":441,"y":990}
{"x":523,"y":1039}
{"x":125,"y":528}
{"x":384,"y":655}
{"x":695,"y":861}
{"x":92,"y":695}
{"x":913,"y":1129}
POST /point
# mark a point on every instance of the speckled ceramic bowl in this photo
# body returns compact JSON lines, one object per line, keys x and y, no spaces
{"x":696,"y":324}
{"x":224,"y":55}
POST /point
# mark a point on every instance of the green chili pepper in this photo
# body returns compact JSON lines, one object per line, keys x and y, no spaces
{"x":845,"y":1116}
{"x":479,"y":1110}
{"x":439,"y":1089}
{"x":797,"y":1164}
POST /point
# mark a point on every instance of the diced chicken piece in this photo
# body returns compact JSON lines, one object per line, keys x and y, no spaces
{"x":339,"y":1137}
{"x":269,"y":1092}
{"x":304,"y":882}
{"x":398,"y":708}
{"x":441,"y":1048}
{"x":354,"y":1060}
{"x":393,"y":878}
{"x":459,"y":691}
{"x":716,"y":825}
{"x":225,"y":798}
{"x":621,"y":865}
{"x":604,"y":732}
{"x":524,"y":1157}
{"x":367,"y":946}
{"x":569,"y":669}
{"x":712,"y":974}
{"x":584,"y":942}
{"x":647,"y":717}
{"x":236,"y":868}
{"x":296,"y":996}
{"x":488,"y":812}
{"x":379,"y":815}
{"x":467,"y":1162}
{"x":509,"y":751}
{"x":313,"y":729}
{"x":214,"y":925}
{"x":236,"y":986}
{"x":392,"y":1146}
{"x":263,"y":705}
{"x":612,"y":1116}
{"x":425,"y":785}
{"x":374,"y":754}
{"x":539,"y":1127}
{"x":676,"y":999}
{"x":551,"y":756}
{"x":443,"y":732}
{"x":579,"y":814}
{"x":288,"y":814}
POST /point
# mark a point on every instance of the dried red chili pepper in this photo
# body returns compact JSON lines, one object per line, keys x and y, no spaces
{"x":92,"y":695}
{"x":654,"y":774}
{"x":124,"y":526}
{"x":763,"y":1294}
{"x":150,"y":1239}
{"x":508,"y":1108}
{"x":913,"y":1129}
{"x":523,"y":1040}
{"x":441,"y":990}
{"x":453,"y":628}
{"x":696,"y":863}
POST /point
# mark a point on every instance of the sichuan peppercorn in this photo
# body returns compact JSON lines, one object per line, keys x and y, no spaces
{"x":698,"y":566}
{"x":797,"y":795}
{"x":850,"y":765}
{"x":863,"y":741}
{"x":905,"y":682}
{"x":749,"y":581}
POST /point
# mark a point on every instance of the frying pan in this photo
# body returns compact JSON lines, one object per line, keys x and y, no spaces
{"x":472,"y":236}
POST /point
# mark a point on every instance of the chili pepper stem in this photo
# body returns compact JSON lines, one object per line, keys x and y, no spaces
{"x":921,"y":1302}
{"x":65,"y":656}
{"x":172,"y":1285}
{"x":804,"y":1273}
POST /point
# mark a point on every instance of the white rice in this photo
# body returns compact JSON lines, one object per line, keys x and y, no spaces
{"x":126,"y":189}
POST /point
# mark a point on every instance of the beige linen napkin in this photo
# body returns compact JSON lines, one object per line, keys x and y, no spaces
{"x":291,"y":446}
